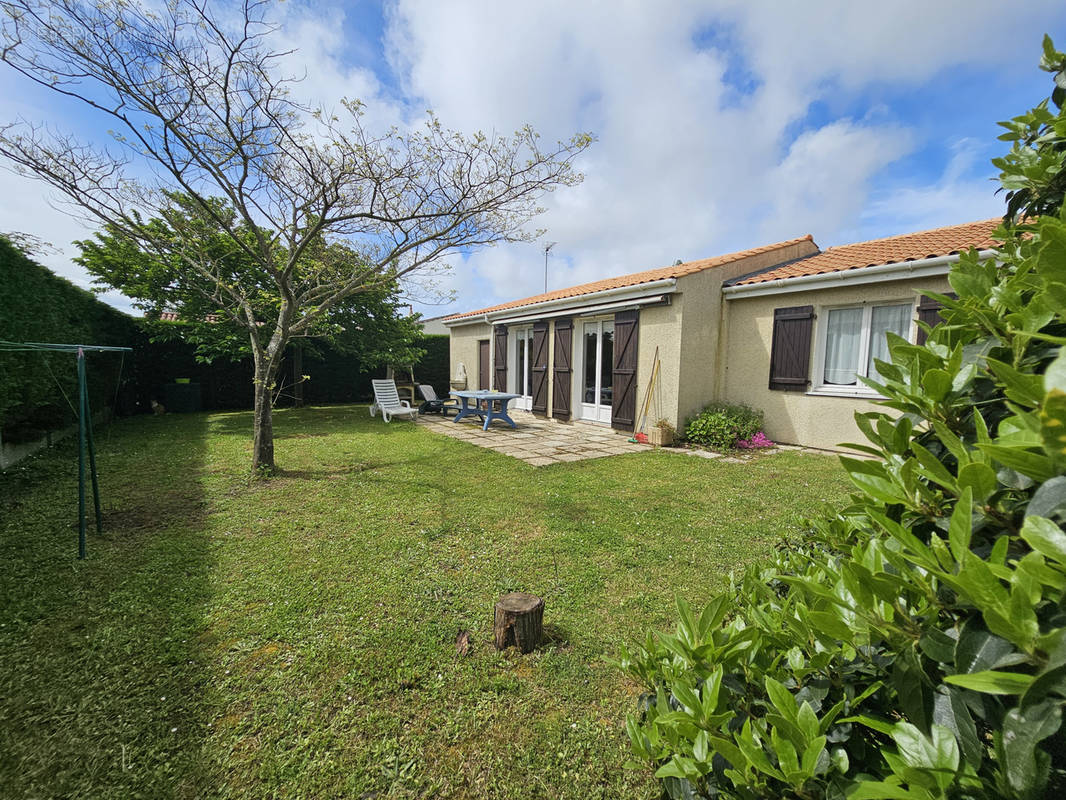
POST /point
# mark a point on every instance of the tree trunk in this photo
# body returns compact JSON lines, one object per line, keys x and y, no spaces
{"x":263,"y":432}
{"x":518,"y":620}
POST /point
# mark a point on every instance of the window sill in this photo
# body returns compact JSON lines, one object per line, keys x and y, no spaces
{"x":845,"y":391}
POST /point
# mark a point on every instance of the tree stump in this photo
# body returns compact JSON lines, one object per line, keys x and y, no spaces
{"x":518,"y":621}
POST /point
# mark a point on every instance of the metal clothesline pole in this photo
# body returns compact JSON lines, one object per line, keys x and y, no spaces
{"x":86,"y":445}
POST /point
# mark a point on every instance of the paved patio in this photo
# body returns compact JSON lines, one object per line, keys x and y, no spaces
{"x":537,"y":441}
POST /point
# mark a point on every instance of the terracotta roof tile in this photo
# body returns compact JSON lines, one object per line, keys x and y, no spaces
{"x":893,"y":250}
{"x":634,"y":279}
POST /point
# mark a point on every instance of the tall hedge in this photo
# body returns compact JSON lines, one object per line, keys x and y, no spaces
{"x":37,"y":305}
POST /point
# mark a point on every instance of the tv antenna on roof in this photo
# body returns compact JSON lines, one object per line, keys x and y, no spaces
{"x":547,"y":249}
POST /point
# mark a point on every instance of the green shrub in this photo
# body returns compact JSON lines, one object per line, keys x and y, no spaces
{"x":720,"y":425}
{"x":914,"y":646}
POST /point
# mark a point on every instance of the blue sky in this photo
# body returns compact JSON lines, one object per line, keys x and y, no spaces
{"x":720,"y":125}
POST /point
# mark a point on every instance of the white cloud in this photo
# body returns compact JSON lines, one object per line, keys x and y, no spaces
{"x":686,"y":166}
{"x":816,"y":184}
{"x":964,"y":191}
{"x":689,"y":163}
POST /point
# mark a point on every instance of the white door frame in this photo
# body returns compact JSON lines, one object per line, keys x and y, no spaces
{"x":594,"y":412}
{"x":515,"y":370}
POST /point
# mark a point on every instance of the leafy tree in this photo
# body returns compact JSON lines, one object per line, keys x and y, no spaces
{"x":914,"y":645}
{"x":366,"y":324}
{"x":197,"y":107}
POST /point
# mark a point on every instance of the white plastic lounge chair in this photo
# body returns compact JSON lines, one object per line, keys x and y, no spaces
{"x":387,"y":401}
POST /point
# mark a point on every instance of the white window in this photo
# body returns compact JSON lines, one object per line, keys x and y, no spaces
{"x":851,"y":339}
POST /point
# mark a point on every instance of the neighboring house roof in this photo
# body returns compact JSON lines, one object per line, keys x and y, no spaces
{"x":634,"y":279}
{"x":892,"y":250}
{"x":434,"y":325}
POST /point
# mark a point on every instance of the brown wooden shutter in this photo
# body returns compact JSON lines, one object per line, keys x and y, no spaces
{"x":624,"y":379}
{"x":499,"y":363}
{"x":790,"y":349}
{"x":929,"y":313}
{"x":561,"y":369}
{"x":540,"y":368}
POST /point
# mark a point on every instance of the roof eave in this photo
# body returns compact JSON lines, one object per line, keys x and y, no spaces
{"x":919,"y":268}
{"x":663,"y":286}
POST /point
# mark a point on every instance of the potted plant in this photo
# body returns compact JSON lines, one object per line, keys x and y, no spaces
{"x":662,"y":434}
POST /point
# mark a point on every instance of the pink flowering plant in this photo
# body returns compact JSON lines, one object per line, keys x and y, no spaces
{"x":756,"y":442}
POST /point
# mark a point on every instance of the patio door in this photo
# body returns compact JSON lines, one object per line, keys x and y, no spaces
{"x":596,"y":385}
{"x":522,"y":368}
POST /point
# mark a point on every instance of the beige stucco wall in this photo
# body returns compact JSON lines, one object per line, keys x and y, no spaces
{"x":700,"y":305}
{"x":659,"y":327}
{"x":462,"y":342}
{"x":797,"y":417}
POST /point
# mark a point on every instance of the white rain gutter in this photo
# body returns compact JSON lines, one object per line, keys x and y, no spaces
{"x":631,"y":294}
{"x":921,"y":268}
{"x":586,"y":310}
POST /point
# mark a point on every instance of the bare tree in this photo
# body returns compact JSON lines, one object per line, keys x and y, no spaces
{"x":196,"y":106}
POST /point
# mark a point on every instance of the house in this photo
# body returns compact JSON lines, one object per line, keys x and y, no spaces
{"x":434,"y":326}
{"x":786,"y":328}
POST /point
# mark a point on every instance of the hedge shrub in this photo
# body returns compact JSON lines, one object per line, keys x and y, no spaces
{"x":38,"y":306}
{"x":914,"y":645}
{"x":721,"y":425}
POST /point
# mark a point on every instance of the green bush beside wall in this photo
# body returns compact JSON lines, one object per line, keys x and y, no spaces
{"x":37,"y":305}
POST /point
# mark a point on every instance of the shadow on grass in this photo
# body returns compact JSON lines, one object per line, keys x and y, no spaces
{"x":103,"y":685}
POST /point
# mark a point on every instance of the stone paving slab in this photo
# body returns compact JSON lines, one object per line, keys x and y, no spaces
{"x":537,"y":441}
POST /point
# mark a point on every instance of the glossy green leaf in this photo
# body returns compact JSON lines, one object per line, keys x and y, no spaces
{"x":1045,"y":537}
{"x":992,"y":682}
{"x":951,"y":711}
{"x":1024,"y":765}
{"x":937,"y":645}
{"x":1022,"y":459}
{"x":913,"y":689}
{"x":938,"y":753}
{"x":937,"y":384}
{"x":960,"y":528}
{"x":1024,"y":388}
{"x":980,"y":479}
{"x":882,"y":790}
{"x":782,"y":699}
{"x":728,"y":750}
{"x":1049,"y":500}
{"x":1053,"y":424}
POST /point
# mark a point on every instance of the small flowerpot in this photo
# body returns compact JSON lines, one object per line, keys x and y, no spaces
{"x":660,"y":437}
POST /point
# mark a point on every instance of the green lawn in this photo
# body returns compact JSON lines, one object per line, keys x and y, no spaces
{"x":296,"y":638}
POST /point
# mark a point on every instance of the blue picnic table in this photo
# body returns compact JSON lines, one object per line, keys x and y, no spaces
{"x":484,"y":406}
